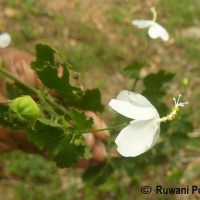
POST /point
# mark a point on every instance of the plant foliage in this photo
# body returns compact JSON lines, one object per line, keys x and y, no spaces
{"x":60,"y":128}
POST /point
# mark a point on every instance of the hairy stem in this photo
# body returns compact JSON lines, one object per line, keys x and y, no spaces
{"x":11,"y":76}
{"x":34,"y":90}
{"x":104,"y":129}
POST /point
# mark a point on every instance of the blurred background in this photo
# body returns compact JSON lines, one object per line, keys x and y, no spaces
{"x":97,"y":38}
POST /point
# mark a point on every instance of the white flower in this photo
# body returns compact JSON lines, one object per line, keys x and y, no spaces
{"x":155,"y":30}
{"x":5,"y":40}
{"x":143,"y":132}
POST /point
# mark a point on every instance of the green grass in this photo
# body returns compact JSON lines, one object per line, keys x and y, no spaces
{"x":30,"y":177}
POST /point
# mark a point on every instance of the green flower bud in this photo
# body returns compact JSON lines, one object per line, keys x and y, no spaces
{"x":24,"y":109}
{"x":185,"y":81}
{"x":77,"y":142}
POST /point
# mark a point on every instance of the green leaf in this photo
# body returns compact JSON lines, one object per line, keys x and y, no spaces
{"x":157,"y":80}
{"x":45,"y":64}
{"x":88,"y":155}
{"x":68,"y":153}
{"x":7,"y":122}
{"x":44,"y":55}
{"x":15,"y":89}
{"x":133,"y":70}
{"x":58,"y":143}
{"x":91,"y":100}
{"x":178,"y":141}
{"x":182,"y":124}
{"x":50,"y":122}
{"x":80,"y":121}
{"x":4,"y":120}
{"x":47,"y":71}
{"x":97,"y":174}
{"x":155,"y":87}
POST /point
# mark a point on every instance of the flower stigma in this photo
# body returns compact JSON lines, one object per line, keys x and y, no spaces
{"x":175,"y":109}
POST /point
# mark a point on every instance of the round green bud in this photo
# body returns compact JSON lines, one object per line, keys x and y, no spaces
{"x":24,"y":109}
{"x":77,"y":141}
{"x":185,"y":81}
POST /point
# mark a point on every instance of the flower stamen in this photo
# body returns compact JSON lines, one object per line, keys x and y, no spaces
{"x":175,"y":109}
{"x":153,"y":10}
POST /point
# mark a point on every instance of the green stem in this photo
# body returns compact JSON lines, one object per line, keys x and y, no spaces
{"x":9,"y":75}
{"x":147,"y":51}
{"x":31,"y":88}
{"x":135,"y":83}
{"x":52,"y":102}
{"x":5,"y":103}
{"x":104,"y":129}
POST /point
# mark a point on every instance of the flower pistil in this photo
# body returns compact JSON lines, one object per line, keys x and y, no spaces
{"x":175,"y":110}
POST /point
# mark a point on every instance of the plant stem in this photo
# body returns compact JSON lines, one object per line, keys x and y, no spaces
{"x":9,"y":75}
{"x":135,"y":83}
{"x":31,"y":88}
{"x":104,"y":129}
{"x":6,"y":102}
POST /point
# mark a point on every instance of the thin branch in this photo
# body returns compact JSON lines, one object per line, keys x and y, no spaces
{"x":34,"y":90}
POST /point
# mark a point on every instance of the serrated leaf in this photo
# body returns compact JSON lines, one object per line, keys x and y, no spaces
{"x":49,"y":122}
{"x":133,"y":70}
{"x":45,"y":64}
{"x":80,"y":121}
{"x":6,"y":121}
{"x":47,"y":71}
{"x":155,"y":87}
{"x":87,"y":155}
{"x":68,"y":153}
{"x":4,"y":116}
{"x":91,"y":100}
{"x":97,"y":174}
{"x":183,"y":124}
{"x":155,"y":81}
{"x":58,"y":143}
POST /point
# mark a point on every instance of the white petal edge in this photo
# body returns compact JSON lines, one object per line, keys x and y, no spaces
{"x":138,"y":137}
{"x":131,"y":111}
{"x":5,"y":40}
{"x":134,"y":98}
{"x":156,"y":30}
{"x":142,"y":23}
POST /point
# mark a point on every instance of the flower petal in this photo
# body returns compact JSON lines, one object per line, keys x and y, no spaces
{"x":5,"y":40}
{"x":134,"y":98}
{"x":131,"y":111}
{"x":142,"y":23}
{"x":138,"y":137}
{"x":134,"y":106}
{"x":156,"y":31}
